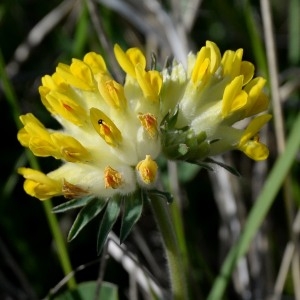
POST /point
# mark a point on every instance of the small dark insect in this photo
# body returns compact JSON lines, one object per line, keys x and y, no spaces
{"x":100,"y":121}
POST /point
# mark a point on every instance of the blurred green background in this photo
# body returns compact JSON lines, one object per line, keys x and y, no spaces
{"x":36,"y":35}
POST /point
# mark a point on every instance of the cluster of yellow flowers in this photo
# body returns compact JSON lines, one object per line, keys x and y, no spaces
{"x":112,"y":133}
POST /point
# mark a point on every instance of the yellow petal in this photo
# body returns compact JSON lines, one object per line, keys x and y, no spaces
{"x":207,"y":62}
{"x":201,"y":64}
{"x":257,"y":100}
{"x":77,"y":75}
{"x":254,"y":126}
{"x":112,"y":92}
{"x":247,"y":70}
{"x":231,"y":62}
{"x":36,"y":129}
{"x":23,"y":137}
{"x":136,"y":56}
{"x":150,"y":82}
{"x":149,"y":122}
{"x":147,"y":170}
{"x":70,"y":149}
{"x":234,"y":97}
{"x":47,"y":81}
{"x":201,"y":72}
{"x":112,"y":178}
{"x":63,"y":105}
{"x":215,"y":56}
{"x":83,"y":72}
{"x":105,"y":127}
{"x":35,"y":136}
{"x":95,"y":62}
{"x":39,"y":185}
{"x":30,"y":118}
{"x":255,"y":150}
{"x":130,"y":59}
{"x":43,"y":147}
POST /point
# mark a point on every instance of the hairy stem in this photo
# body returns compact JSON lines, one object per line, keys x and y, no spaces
{"x":173,"y":254}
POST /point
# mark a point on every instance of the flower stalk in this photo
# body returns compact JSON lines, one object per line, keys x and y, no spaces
{"x":171,"y":246}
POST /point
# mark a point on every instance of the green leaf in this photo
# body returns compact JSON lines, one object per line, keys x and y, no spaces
{"x":165,"y":195}
{"x":87,"y":291}
{"x":72,"y":204}
{"x":226,"y":167}
{"x":110,"y":217}
{"x":133,"y":207}
{"x":86,"y":214}
{"x":201,"y":164}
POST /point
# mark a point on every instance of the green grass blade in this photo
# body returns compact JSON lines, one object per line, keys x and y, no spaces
{"x":259,"y":211}
{"x":294,"y":32}
{"x":9,"y":92}
{"x":255,"y":38}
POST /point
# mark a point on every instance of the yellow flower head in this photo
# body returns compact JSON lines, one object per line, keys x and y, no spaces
{"x":112,"y":133}
{"x":107,"y":127}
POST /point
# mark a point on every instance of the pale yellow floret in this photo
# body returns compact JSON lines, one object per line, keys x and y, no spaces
{"x":249,"y":142}
{"x":49,"y":82}
{"x":129,"y":59}
{"x":95,"y":62}
{"x":247,"y":70}
{"x":112,"y":92}
{"x":83,"y":72}
{"x":147,"y":170}
{"x":215,"y":56}
{"x":33,"y":125}
{"x":63,"y":105}
{"x":39,"y":185}
{"x":255,"y":150}
{"x":257,"y":100}
{"x":234,"y":97}
{"x":112,"y":178}
{"x":43,"y":146}
{"x":149,"y":122}
{"x":201,"y":64}
{"x":150,"y":82}
{"x":201,"y":72}
{"x":70,"y":149}
{"x":231,"y":62}
{"x":105,"y":127}
{"x":254,"y":126}
{"x":45,"y":143}
{"x":36,"y":137}
{"x":207,"y":62}
{"x":78,"y":75}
